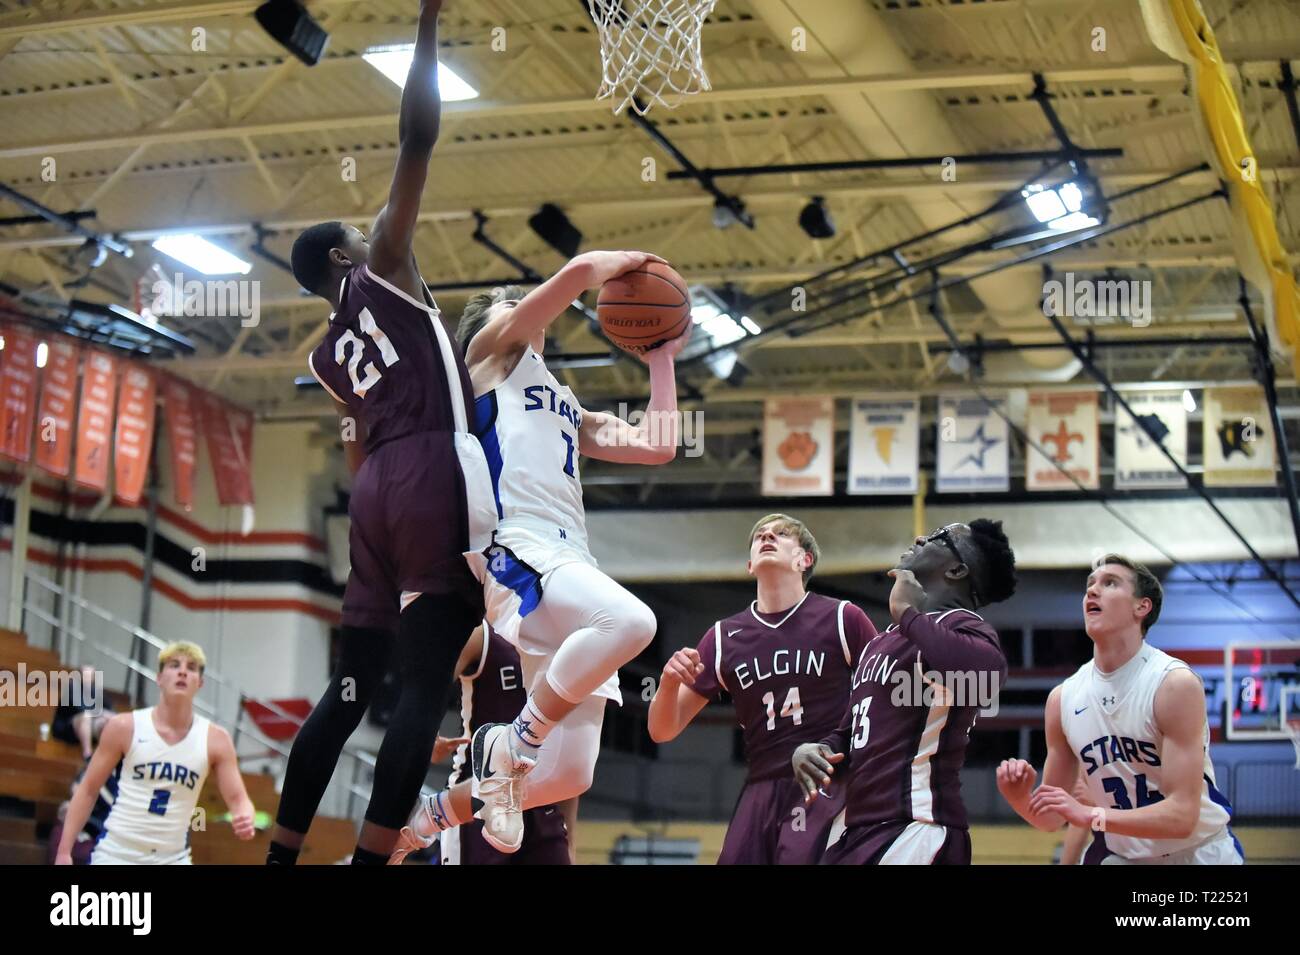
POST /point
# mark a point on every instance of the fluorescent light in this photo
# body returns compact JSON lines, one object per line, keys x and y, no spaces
{"x":1188,"y":401}
{"x":395,"y":63}
{"x":1060,"y":207}
{"x":750,"y":325}
{"x":1045,"y":204}
{"x":717,"y":324}
{"x":198,"y":253}
{"x":1075,"y":220}
{"x":42,"y":354}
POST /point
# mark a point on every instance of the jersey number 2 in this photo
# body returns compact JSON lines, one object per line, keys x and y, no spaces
{"x":352,"y":349}
{"x":158,"y":804}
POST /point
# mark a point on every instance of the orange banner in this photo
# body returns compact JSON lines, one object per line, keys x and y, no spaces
{"x":134,"y":442}
{"x":18,"y":386}
{"x":58,"y":408}
{"x":229,"y":431}
{"x":182,"y":438}
{"x":95,"y":420}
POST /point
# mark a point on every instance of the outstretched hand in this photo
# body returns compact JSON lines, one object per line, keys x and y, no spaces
{"x":607,"y":265}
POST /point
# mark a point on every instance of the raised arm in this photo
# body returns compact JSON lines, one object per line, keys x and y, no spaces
{"x":608,"y":437}
{"x":1016,"y":777}
{"x":544,"y":304}
{"x":417,"y":132}
{"x":113,"y":744}
{"x":1174,"y":813}
{"x":675,"y":703}
{"x":225,"y":765}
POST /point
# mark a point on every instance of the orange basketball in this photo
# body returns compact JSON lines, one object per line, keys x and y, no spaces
{"x":642,"y":309}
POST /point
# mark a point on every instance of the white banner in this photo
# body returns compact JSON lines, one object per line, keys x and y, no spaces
{"x":799,"y":446}
{"x":884,"y":444}
{"x":1138,"y":462}
{"x":972,"y":445}
{"x":1237,"y":438}
{"x":1065,"y":423}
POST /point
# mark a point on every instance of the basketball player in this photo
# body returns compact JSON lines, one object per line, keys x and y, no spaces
{"x":492,"y":690}
{"x":1133,"y":719}
{"x":786,"y":661}
{"x":573,"y":625}
{"x":161,"y":756}
{"x":904,"y":734}
{"x":419,"y":500}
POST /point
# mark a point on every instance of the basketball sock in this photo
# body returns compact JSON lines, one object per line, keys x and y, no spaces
{"x":439,"y":816}
{"x":279,"y":854}
{"x":530,"y":728}
{"x":366,"y":857}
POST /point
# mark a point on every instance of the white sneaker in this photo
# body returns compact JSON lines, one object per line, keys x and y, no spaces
{"x":499,"y":772}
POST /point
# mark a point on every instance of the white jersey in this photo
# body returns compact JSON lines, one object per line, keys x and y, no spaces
{"x":1109,"y":720}
{"x":158,"y":788}
{"x":528,"y":426}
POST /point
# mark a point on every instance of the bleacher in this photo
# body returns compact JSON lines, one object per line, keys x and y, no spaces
{"x":36,"y":777}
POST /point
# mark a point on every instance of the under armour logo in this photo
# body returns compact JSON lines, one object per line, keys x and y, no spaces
{"x":1108,"y":701}
{"x":563,"y":536}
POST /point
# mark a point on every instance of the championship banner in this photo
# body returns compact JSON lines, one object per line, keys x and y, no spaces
{"x":1237,"y":438}
{"x":18,"y":386}
{"x":182,"y":438}
{"x":57,"y":408}
{"x":1138,"y":462}
{"x":799,"y":446}
{"x":884,"y":444}
{"x":227,"y":449}
{"x":134,"y":443}
{"x":1067,"y":425}
{"x":95,"y":420}
{"x":972,"y":452}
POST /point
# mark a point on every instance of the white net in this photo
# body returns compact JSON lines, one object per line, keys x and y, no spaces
{"x":650,"y":51}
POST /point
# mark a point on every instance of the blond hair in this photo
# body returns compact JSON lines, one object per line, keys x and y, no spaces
{"x":182,"y":648}
{"x":800,"y":530}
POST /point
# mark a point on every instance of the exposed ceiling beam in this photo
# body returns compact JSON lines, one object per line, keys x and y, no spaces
{"x":485,"y":109}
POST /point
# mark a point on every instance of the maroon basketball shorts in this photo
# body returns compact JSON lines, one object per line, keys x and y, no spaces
{"x":903,"y":842}
{"x":410,"y":529}
{"x":546,"y":842}
{"x":772,"y":826}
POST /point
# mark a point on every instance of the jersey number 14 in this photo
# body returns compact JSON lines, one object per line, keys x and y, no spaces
{"x":792,"y":707}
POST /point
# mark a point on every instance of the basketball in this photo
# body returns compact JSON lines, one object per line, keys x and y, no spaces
{"x":641,"y":309}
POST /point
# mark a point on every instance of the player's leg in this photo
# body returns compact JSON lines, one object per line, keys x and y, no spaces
{"x":594,"y":625}
{"x":431,"y":632}
{"x":564,"y":770}
{"x":363,"y":660}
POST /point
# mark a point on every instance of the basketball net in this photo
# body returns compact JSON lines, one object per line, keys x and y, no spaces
{"x":649,"y":50}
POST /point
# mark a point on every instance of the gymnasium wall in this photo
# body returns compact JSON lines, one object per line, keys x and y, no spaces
{"x":260,"y":605}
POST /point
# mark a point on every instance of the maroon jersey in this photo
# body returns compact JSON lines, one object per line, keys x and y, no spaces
{"x":389,"y":359}
{"x":905,"y":745}
{"x":492,"y":692}
{"x":787,"y":673}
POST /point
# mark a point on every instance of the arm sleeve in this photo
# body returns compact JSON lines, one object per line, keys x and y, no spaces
{"x":953,"y":646}
{"x":838,"y":741}
{"x":858,"y":630}
{"x":706,"y":684}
